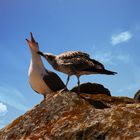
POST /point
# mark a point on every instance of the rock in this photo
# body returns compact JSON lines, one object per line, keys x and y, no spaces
{"x":92,"y":88}
{"x":137,"y":96}
{"x":69,"y":116}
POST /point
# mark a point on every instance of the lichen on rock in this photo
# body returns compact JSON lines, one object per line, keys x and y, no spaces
{"x":69,"y":116}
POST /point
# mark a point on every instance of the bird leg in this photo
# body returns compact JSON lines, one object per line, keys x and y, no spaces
{"x":68,"y":78}
{"x":78,"y":83}
{"x":65,"y":89}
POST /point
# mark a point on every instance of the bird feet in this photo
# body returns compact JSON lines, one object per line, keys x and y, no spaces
{"x":63,"y":90}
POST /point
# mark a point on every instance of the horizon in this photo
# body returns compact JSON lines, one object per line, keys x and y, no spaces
{"x":108,"y":32}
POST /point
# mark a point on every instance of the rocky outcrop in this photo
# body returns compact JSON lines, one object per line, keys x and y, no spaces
{"x":69,"y":116}
{"x":92,"y":88}
{"x":137,"y":96}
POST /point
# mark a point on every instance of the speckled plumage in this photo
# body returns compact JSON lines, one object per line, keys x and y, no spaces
{"x":76,"y":63}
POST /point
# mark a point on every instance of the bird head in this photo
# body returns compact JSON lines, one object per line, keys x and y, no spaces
{"x":48,"y":56}
{"x":32,"y":43}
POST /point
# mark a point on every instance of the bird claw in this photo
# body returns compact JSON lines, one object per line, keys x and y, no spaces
{"x":63,"y":90}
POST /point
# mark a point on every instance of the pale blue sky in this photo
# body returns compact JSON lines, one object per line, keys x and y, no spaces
{"x":109,"y":30}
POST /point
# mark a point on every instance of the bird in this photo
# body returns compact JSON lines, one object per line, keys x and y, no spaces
{"x":41,"y":80}
{"x":75,"y":63}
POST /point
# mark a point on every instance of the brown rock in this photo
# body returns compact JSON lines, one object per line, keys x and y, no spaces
{"x":137,"y":96}
{"x":68,"y":116}
{"x":92,"y":88}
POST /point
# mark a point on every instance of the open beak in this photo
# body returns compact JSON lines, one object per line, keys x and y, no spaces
{"x":28,"y":41}
{"x":32,"y":43}
{"x":32,"y":38}
{"x":41,"y":53}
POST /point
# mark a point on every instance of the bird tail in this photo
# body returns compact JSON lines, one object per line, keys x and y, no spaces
{"x":108,"y":72}
{"x":100,"y":71}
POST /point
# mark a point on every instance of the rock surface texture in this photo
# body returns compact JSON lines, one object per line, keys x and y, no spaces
{"x":69,"y":116}
{"x":137,"y":96}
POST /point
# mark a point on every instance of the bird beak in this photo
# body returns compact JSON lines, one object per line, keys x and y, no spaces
{"x":41,"y":53}
{"x":28,"y":41}
{"x":32,"y":38}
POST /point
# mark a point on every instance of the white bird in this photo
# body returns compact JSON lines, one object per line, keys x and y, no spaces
{"x":75,"y":63}
{"x":41,"y":80}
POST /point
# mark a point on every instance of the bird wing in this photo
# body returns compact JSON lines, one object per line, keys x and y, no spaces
{"x":94,"y":66}
{"x":81,"y":63}
{"x":99,"y":68}
{"x":53,"y":81}
{"x":72,"y":54}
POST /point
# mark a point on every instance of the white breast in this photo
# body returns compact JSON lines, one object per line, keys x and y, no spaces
{"x":36,"y":80}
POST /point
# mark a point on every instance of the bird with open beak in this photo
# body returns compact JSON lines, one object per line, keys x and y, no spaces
{"x":41,"y":80}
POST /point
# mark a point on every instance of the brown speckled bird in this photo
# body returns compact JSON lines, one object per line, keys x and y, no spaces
{"x":75,"y":63}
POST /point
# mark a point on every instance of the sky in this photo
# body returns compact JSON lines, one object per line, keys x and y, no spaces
{"x":108,"y":30}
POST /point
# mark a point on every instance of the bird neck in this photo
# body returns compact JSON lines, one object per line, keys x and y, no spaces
{"x":36,"y":60}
